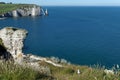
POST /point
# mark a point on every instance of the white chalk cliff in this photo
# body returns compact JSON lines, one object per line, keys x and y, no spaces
{"x":24,"y":11}
{"x":13,"y":41}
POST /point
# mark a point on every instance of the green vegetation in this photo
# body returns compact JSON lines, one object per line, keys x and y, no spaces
{"x":69,"y":72}
{"x":4,"y":8}
{"x":10,"y":71}
{"x":1,"y":43}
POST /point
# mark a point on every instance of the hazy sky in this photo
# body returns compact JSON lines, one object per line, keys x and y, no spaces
{"x":69,"y":2}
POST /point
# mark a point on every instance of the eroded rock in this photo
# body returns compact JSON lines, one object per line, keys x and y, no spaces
{"x":13,"y":41}
{"x":24,"y":11}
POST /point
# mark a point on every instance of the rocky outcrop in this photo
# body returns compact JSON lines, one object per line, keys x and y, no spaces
{"x":24,"y":11}
{"x":13,"y":41}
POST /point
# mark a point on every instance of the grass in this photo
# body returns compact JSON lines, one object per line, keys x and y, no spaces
{"x":4,"y":8}
{"x":69,"y":72}
{"x":10,"y":71}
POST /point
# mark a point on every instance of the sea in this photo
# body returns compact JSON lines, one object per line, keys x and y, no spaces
{"x":84,"y":35}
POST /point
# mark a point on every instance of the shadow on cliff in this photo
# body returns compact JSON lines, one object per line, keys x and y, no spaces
{"x":4,"y":54}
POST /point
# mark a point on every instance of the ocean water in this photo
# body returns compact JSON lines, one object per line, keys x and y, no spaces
{"x":81,"y":35}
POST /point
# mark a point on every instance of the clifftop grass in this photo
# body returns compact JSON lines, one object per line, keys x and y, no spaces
{"x":4,"y":8}
{"x":11,"y":71}
{"x":69,"y":72}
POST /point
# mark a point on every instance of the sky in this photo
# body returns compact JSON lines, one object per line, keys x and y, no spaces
{"x":69,"y":2}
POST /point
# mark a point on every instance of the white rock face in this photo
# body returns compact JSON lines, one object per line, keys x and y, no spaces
{"x":13,"y":40}
{"x":14,"y":13}
{"x":24,"y":11}
{"x":35,"y":11}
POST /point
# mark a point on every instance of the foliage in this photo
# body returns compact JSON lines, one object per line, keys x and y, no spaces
{"x":69,"y":72}
{"x":1,"y":43}
{"x":4,"y":8}
{"x":11,"y":71}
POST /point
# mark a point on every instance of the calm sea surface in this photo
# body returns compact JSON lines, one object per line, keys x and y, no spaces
{"x":82,"y":35}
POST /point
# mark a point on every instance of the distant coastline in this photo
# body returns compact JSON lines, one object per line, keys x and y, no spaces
{"x":19,"y":10}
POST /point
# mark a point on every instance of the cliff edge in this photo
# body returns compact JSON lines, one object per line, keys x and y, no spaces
{"x":12,"y":39}
{"x":19,"y":10}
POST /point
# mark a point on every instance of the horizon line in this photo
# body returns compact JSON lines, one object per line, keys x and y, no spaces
{"x":69,"y":4}
{"x":76,"y":5}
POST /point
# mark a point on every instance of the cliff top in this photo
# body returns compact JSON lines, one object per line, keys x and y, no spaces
{"x":4,"y":8}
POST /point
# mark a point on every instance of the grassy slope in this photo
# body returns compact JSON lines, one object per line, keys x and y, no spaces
{"x":69,"y":72}
{"x":4,"y":8}
{"x":10,"y":71}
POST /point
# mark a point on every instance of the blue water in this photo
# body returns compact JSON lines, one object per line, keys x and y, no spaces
{"x":82,"y":35}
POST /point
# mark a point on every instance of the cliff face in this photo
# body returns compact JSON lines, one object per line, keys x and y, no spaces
{"x":24,"y":11}
{"x":13,"y":41}
{"x":11,"y":44}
